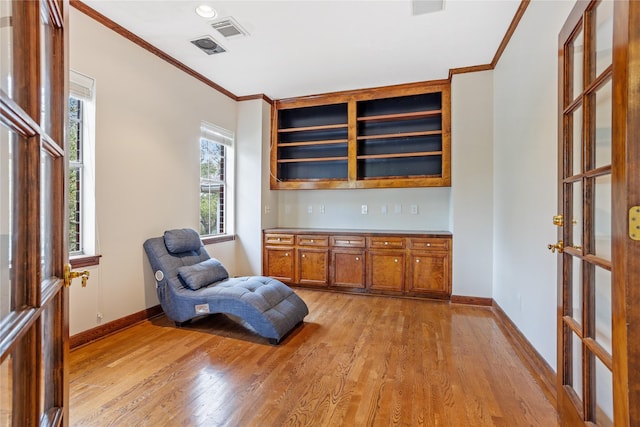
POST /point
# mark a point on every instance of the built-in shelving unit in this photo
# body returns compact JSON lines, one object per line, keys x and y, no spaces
{"x":387,"y":137}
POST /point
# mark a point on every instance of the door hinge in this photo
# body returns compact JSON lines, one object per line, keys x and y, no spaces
{"x":634,"y":222}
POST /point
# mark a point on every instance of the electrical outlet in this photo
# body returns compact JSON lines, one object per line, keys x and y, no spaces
{"x":321,"y":209}
{"x":267,"y":209}
{"x":99,"y":317}
{"x":414,"y":209}
{"x":310,"y":209}
{"x":365,"y":209}
{"x":383,"y":209}
{"x":397,"y":208}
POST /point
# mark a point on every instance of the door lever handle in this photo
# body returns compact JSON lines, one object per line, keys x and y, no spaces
{"x":70,"y":275}
{"x":557,"y":247}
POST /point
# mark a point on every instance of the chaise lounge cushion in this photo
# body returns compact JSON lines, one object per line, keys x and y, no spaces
{"x":183,"y":240}
{"x":202,"y":274}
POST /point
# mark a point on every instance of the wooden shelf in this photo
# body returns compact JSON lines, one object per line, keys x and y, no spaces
{"x":305,"y":143}
{"x":400,"y":116}
{"x":312,"y":159}
{"x":399,"y":135}
{"x":392,"y":137}
{"x":400,"y":155}
{"x":312,"y":128}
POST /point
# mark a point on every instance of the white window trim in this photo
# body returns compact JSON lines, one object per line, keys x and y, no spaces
{"x":83,"y":88}
{"x":226,"y":137}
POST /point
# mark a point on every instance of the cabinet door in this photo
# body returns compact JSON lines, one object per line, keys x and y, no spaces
{"x":278,"y":263}
{"x":429,"y":273}
{"x":386,"y":270}
{"x":348,"y":269}
{"x":313,"y":267}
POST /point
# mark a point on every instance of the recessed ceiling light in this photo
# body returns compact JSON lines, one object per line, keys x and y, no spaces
{"x":206,"y":11}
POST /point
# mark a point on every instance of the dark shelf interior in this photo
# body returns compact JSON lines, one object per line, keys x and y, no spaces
{"x":313,"y":151}
{"x":313,"y":170}
{"x":312,"y":116}
{"x":400,"y":126}
{"x":400,"y":167}
{"x":399,"y":145}
{"x":401,"y":104}
{"x":313,"y":135}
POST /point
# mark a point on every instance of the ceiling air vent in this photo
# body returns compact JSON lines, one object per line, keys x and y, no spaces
{"x":229,"y":28}
{"x":208,"y":45}
{"x":420,"y":7}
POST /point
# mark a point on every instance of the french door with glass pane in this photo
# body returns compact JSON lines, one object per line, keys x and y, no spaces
{"x":599,"y":162}
{"x":33,"y":298}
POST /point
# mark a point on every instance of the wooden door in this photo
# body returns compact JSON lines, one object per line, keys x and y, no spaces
{"x":33,"y":298}
{"x":348,"y":268}
{"x":599,"y":183}
{"x":386,"y":270}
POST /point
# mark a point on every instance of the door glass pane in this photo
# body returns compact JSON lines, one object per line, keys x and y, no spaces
{"x":604,"y":395}
{"x":8,"y":140}
{"x":603,"y":125}
{"x":6,"y":387}
{"x":46,"y":203}
{"x":576,"y":215}
{"x":577,"y":141}
{"x":604,"y":35}
{"x":577,"y":50}
{"x":576,"y":289}
{"x":603,"y":308}
{"x":46,"y":59}
{"x":602,"y":220}
{"x":48,"y":355}
{"x":576,"y":364}
{"x":6,"y":48}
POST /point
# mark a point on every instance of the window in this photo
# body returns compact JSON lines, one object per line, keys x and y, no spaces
{"x":216,"y":150}
{"x":81,"y":165}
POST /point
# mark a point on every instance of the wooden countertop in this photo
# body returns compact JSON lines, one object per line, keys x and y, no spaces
{"x":346,"y":231}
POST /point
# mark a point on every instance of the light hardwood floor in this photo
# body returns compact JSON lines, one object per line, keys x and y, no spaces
{"x":356,"y":361}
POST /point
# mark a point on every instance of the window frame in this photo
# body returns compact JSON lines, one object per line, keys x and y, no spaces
{"x":226,"y":139}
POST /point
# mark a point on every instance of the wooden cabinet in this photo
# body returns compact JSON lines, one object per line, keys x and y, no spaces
{"x":312,"y":260}
{"x":278,"y":256}
{"x":387,"y":137}
{"x":429,"y":269}
{"x":395,"y":263}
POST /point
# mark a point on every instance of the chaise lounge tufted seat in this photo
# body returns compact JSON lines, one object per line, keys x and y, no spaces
{"x":191,"y":284}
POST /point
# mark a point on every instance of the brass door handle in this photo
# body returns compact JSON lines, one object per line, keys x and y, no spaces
{"x":557,"y":247}
{"x":70,"y":275}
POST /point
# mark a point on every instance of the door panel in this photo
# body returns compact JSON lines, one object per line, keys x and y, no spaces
{"x":597,"y":298}
{"x":33,"y":300}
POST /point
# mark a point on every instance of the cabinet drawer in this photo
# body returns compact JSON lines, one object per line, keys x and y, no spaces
{"x":427,"y":244}
{"x":386,"y":242}
{"x":278,"y":239}
{"x":348,"y":241}
{"x":312,"y":240}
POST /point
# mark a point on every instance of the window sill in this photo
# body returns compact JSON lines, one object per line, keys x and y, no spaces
{"x":209,"y":240}
{"x":81,"y":261}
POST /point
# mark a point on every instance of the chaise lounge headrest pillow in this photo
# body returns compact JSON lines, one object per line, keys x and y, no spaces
{"x":203,"y":274}
{"x":182,"y":240}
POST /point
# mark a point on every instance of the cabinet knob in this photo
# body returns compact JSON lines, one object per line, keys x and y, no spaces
{"x":278,"y":239}
{"x":357,"y":258}
{"x":428,"y":244}
{"x":386,"y":243}
{"x":286,"y":254}
{"x":303,"y":255}
{"x":417,"y":260}
{"x":311,"y":240}
{"x":395,"y":260}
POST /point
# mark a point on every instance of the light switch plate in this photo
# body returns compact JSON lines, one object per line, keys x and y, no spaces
{"x":365,"y":209}
{"x":414,"y":209}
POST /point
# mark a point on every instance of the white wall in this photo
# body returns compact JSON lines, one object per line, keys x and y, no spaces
{"x":343,"y":208}
{"x":255,"y":208}
{"x":525,"y":171}
{"x":148,"y":116}
{"x":472,"y":183}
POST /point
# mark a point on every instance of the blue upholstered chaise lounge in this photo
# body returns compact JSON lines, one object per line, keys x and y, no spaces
{"x":190,"y":284}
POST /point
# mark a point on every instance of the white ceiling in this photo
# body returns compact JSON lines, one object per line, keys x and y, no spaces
{"x":304,"y":47}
